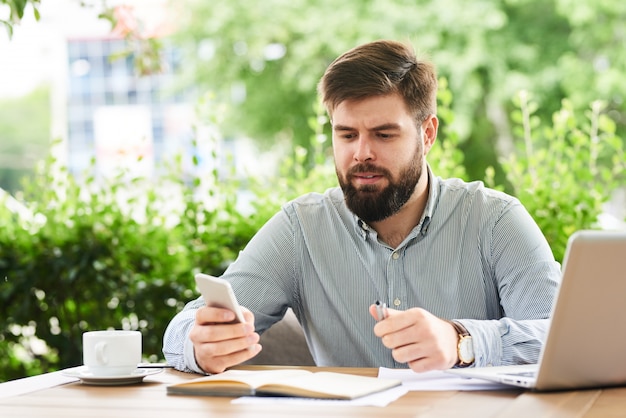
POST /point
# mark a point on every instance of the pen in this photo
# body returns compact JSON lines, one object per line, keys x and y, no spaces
{"x":381,"y":310}
{"x":154,"y":366}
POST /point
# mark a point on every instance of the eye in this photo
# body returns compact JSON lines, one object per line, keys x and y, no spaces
{"x":347,"y":136}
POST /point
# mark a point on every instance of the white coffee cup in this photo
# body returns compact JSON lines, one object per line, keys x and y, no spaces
{"x":111,"y":352}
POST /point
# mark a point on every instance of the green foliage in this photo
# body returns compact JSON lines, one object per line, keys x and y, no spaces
{"x":143,"y":45}
{"x":488,"y":50}
{"x":445,"y":157}
{"x":564,"y":173}
{"x":84,"y":263}
{"x":121,"y":252}
{"x":25,"y":128}
{"x":116,"y":253}
{"x":16,"y":12}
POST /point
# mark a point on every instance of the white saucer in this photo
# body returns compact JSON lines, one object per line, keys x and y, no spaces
{"x":86,"y":377}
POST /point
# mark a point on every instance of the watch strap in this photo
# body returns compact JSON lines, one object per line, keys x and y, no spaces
{"x":460,"y":329}
{"x":463,"y":334}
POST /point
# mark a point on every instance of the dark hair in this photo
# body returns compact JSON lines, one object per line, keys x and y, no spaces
{"x":380,"y":68}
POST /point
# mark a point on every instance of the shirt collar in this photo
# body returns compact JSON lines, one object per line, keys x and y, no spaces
{"x":431,"y":203}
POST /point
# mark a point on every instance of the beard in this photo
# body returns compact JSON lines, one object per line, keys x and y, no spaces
{"x":372,"y":204}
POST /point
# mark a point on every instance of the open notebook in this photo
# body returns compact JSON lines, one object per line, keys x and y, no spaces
{"x":283,"y":382}
{"x":586,"y":343}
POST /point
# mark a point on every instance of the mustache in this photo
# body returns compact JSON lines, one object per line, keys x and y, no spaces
{"x":367,"y":168}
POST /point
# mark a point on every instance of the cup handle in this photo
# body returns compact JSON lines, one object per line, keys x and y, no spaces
{"x":101,"y":357}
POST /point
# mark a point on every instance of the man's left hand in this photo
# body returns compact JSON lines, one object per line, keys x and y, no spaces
{"x":418,"y":338}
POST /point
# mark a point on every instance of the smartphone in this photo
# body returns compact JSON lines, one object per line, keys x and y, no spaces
{"x":218,"y":293}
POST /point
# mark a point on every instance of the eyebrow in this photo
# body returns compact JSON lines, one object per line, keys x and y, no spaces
{"x":383,"y":127}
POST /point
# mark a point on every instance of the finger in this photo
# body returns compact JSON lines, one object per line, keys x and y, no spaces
{"x":392,"y":323}
{"x":409,"y":353}
{"x":373,"y":312}
{"x":419,"y":358}
{"x":248,"y":316}
{"x":424,"y":355}
{"x":217,"y":364}
{"x":217,"y":332}
{"x":401,"y":337}
{"x":218,"y":346}
{"x":422,"y":365}
{"x":428,"y":363}
{"x":211,"y":315}
{"x":218,"y":340}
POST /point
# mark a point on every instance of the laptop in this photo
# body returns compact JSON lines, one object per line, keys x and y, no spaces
{"x":586,"y":343}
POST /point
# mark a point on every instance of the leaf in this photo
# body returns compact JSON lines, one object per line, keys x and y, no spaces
{"x":8,"y":27}
{"x":606,"y":124}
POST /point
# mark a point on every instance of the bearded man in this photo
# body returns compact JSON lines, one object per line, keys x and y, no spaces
{"x":466,"y":274}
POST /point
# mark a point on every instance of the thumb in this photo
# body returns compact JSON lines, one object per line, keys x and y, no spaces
{"x":374,"y":308}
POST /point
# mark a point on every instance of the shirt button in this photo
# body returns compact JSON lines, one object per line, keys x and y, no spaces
{"x":395,"y":255}
{"x":396,"y":302}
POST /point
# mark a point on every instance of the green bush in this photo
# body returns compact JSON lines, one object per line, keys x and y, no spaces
{"x":103,"y":258}
{"x":121,"y":253}
{"x":565,"y":172}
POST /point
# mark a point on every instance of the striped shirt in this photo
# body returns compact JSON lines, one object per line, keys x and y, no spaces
{"x":476,"y":256}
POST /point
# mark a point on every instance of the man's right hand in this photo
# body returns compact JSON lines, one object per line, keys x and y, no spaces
{"x":219,"y":344}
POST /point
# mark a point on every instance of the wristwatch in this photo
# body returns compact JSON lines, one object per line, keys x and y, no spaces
{"x":465,"y":345}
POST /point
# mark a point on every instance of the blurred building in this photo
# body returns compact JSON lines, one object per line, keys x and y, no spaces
{"x":103,"y":112}
{"x":117,"y":117}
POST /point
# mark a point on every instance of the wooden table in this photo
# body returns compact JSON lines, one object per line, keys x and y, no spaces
{"x":149,"y":400}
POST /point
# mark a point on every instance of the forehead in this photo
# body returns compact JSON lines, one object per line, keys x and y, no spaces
{"x":371,"y":111}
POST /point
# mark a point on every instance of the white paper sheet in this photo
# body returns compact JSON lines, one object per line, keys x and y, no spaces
{"x":382,"y":399}
{"x":437,"y":380}
{"x":34,"y":383}
{"x":411,"y":381}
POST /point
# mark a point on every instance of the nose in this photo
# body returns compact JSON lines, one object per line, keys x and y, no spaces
{"x":363,"y":151}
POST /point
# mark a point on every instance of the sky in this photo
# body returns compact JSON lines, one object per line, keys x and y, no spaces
{"x":29,"y":58}
{"x":26,"y":58}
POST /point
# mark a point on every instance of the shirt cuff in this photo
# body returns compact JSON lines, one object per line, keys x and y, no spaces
{"x":190,"y":357}
{"x":487,"y":339}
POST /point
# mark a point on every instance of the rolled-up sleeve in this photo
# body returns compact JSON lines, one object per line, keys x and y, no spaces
{"x":177,"y":347}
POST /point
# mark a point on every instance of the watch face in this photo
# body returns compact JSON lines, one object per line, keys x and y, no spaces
{"x":466,"y":350}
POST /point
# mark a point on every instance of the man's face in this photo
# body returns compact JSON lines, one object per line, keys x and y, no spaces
{"x":379,"y":155}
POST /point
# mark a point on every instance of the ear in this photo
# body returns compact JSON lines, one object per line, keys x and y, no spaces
{"x":429,"y":132}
